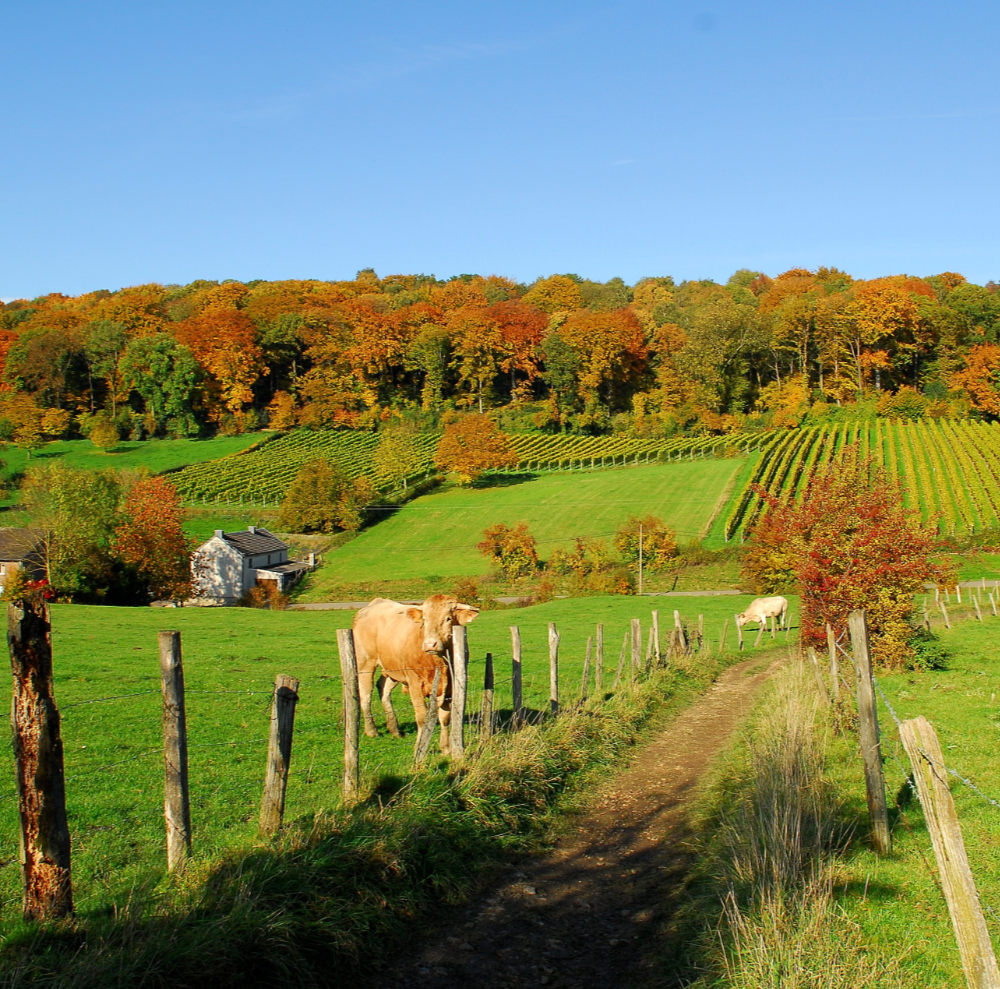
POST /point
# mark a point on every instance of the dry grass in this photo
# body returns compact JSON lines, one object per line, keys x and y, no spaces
{"x":777,"y":830}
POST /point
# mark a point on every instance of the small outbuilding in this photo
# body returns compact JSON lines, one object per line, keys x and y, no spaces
{"x":21,"y":549}
{"x":230,"y":564}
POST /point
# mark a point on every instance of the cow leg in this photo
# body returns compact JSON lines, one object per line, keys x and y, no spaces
{"x":386,"y":686}
{"x":365,"y":678}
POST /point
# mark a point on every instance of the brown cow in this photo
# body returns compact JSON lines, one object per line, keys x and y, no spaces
{"x":409,"y":643}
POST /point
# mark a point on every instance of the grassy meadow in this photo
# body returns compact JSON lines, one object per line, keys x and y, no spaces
{"x":435,"y":536}
{"x":107,"y":686}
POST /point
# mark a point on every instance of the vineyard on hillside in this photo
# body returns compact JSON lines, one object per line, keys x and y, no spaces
{"x":949,"y":470}
{"x":261,"y":476}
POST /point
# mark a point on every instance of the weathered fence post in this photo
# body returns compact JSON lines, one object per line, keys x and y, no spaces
{"x":739,"y":632}
{"x":636,"y":648}
{"x":871,"y":749}
{"x":831,"y":647}
{"x":553,"y":668}
{"x":176,"y":802}
{"x":814,"y":663}
{"x":279,"y":753}
{"x":657,"y":655}
{"x":944,"y":611}
{"x":352,"y":713}
{"x":423,"y":742}
{"x":486,"y":708}
{"x":978,"y":959}
{"x":975,"y":604}
{"x":515,"y":680}
{"x":681,"y":635}
{"x":459,"y":688}
{"x":621,"y":662}
{"x":599,"y":661}
{"x":586,"y":669}
{"x":38,"y":750}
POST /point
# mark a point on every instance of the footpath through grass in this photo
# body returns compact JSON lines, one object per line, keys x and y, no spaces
{"x":330,"y":891}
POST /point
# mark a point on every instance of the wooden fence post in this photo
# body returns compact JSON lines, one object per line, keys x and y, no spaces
{"x":739,"y":632}
{"x":553,"y":668}
{"x":682,"y":639}
{"x":176,"y":802}
{"x":944,"y":611}
{"x":978,"y":959}
{"x":636,"y":648}
{"x":657,"y":655}
{"x":831,"y":646}
{"x":586,"y":669}
{"x":621,"y":662}
{"x":459,"y":688}
{"x":517,"y":714}
{"x":814,"y":663}
{"x":423,"y":742}
{"x":871,"y":750}
{"x":279,"y":753}
{"x":975,"y":604}
{"x":351,"y":783}
{"x":38,"y":750}
{"x":486,"y":708}
{"x":599,"y":661}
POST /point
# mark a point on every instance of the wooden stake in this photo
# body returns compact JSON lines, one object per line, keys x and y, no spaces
{"x":739,"y":633}
{"x":176,"y":799}
{"x":831,"y":646}
{"x":38,"y":751}
{"x":586,"y":669}
{"x":636,"y":648}
{"x":279,"y":753}
{"x":944,"y":611}
{"x":621,"y":662}
{"x":553,"y":668}
{"x":978,"y":958}
{"x":871,"y":750}
{"x":517,"y":707}
{"x":351,"y":783}
{"x":486,"y":708}
{"x":657,"y":655}
{"x":459,"y":689}
{"x":423,"y":743}
{"x":599,"y":662}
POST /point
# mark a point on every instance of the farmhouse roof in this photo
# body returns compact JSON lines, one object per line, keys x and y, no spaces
{"x":254,"y":540}
{"x":17,"y":545}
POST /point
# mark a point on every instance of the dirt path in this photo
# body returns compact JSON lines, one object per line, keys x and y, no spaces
{"x":588,"y":913}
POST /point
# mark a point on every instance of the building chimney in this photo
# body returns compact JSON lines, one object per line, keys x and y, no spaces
{"x":219,"y":533}
{"x":252,"y":529}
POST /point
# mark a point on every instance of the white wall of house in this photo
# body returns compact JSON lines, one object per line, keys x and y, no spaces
{"x":220,"y":572}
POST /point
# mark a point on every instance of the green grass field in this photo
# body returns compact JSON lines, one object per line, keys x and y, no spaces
{"x":108,"y":692}
{"x":436,"y":535}
{"x":896,"y":899}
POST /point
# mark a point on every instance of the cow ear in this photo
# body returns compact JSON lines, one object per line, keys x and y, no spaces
{"x":415,"y":615}
{"x":465,"y":613}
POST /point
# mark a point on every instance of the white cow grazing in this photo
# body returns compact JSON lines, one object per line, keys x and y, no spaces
{"x":761,"y":609}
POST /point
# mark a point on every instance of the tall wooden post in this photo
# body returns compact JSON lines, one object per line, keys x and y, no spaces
{"x":739,"y":632}
{"x":553,"y":668}
{"x":486,"y":709}
{"x":831,"y":647}
{"x":351,"y":784}
{"x":871,"y":749}
{"x":978,"y":959}
{"x":176,"y":801}
{"x":599,"y":661}
{"x":636,"y":648}
{"x":279,"y":753}
{"x":621,"y":662}
{"x":517,"y":706}
{"x":585,"y":680}
{"x":459,"y":689}
{"x":657,"y":654}
{"x":38,"y":750}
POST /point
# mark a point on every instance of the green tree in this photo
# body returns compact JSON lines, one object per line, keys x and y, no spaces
{"x":76,"y":512}
{"x":322,"y":499}
{"x":649,"y":535}
{"x":397,"y":455}
{"x":165,"y":375}
{"x":510,"y":548}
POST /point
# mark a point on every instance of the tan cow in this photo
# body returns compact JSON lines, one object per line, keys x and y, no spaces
{"x":760,"y":609}
{"x":409,"y":643}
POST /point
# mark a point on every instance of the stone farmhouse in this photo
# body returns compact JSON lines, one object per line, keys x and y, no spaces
{"x":21,"y":549}
{"x":230,"y":564}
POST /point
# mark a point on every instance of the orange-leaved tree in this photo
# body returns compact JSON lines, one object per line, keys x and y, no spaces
{"x":511,"y":548}
{"x":150,"y":541}
{"x":847,"y":543}
{"x":473,"y":445}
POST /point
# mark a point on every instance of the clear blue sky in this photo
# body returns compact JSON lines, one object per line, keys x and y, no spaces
{"x":164,"y":142}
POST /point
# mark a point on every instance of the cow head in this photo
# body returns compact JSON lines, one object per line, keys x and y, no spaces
{"x":437,"y":616}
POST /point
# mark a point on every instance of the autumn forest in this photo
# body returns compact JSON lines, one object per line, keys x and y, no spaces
{"x":563,"y":353}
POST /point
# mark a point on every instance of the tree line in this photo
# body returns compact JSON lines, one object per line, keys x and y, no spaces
{"x":563,"y":353}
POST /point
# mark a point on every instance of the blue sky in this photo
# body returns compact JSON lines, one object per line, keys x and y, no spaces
{"x":164,"y":142}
